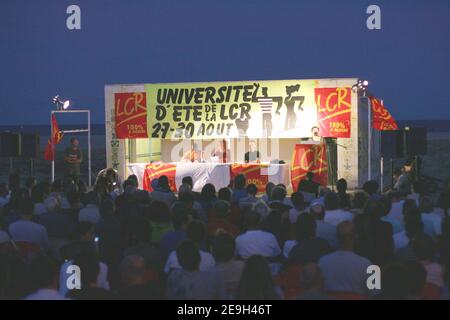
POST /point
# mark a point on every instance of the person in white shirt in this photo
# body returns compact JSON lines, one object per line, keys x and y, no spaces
{"x":343,"y":270}
{"x":333,"y":213}
{"x":195,"y":232}
{"x":91,"y":212}
{"x":45,"y":277}
{"x":256,"y":241}
{"x":28,"y":231}
{"x":396,"y":212}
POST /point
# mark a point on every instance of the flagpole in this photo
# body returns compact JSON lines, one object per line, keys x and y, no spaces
{"x":53,"y":147}
{"x":369,"y":138}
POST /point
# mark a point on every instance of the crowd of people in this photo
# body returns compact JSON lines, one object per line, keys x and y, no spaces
{"x":232,"y":243}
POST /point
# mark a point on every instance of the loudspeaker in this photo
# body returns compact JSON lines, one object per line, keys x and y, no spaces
{"x":10,"y":144}
{"x":416,"y":141}
{"x":30,"y":145}
{"x":392,"y":145}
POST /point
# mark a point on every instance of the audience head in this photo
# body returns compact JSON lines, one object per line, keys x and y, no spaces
{"x":256,"y":280}
{"x":221,"y":209}
{"x":132,"y":270}
{"x":371,"y":187}
{"x":269,"y":188}
{"x":45,"y":272}
{"x":310,"y":176}
{"x":278,"y":194}
{"x":305,"y":227}
{"x":188,"y":180}
{"x":332,"y":201}
{"x":180,"y":216}
{"x":224,"y":194}
{"x":261,"y":208}
{"x":317,"y":210}
{"x":341,"y":185}
{"x":87,"y":261}
{"x":223,"y":247}
{"x":196,"y":231}
{"x":52,"y":204}
{"x":188,"y":255}
{"x":163,"y":182}
{"x":346,"y":235}
{"x":252,"y":189}
{"x":85,"y":231}
{"x":239,"y":181}
{"x":413,"y":223}
{"x":424,"y":247}
{"x":298,"y":200}
{"x":252,"y":220}
{"x":208,"y":192}
{"x":426,"y":204}
{"x":311,"y":277}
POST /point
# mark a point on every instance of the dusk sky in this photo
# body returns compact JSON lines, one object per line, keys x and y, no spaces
{"x":407,"y":62}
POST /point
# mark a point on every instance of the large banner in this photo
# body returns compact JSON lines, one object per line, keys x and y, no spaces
{"x":130,"y":110}
{"x":309,"y":158}
{"x":334,"y":112}
{"x":254,"y":109}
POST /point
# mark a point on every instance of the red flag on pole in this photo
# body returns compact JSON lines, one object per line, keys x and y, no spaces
{"x":55,"y":138}
{"x":381,"y":118}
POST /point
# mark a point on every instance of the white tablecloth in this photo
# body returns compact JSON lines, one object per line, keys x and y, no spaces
{"x":216,"y":173}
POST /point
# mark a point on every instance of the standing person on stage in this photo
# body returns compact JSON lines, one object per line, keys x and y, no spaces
{"x":221,"y":151}
{"x":194,"y":154}
{"x":402,"y":180}
{"x":73,"y":157}
{"x":253,"y":155}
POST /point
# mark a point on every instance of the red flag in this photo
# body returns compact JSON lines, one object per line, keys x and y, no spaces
{"x":309,"y":158}
{"x":55,"y":138}
{"x":381,"y":118}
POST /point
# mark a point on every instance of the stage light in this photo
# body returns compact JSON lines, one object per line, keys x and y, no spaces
{"x":66,"y":104}
{"x":360,"y":86}
{"x":60,"y":104}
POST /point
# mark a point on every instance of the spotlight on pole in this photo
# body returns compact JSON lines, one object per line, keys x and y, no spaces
{"x":361,"y":86}
{"x":60,"y":104}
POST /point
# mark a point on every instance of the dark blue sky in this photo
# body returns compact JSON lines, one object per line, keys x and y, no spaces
{"x":142,"y":41}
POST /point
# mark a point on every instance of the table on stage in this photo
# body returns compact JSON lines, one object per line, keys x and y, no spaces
{"x":219,"y":174}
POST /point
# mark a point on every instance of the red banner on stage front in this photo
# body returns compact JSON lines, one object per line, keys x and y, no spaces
{"x":309,"y":158}
{"x":333,"y":111}
{"x":254,"y":173}
{"x":155,"y":170}
{"x":130,"y":115}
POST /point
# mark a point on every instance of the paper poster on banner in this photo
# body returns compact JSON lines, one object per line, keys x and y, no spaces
{"x":334,"y":112}
{"x":381,"y":118}
{"x":253,"y":109}
{"x":309,"y":158}
{"x":130,"y":110}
